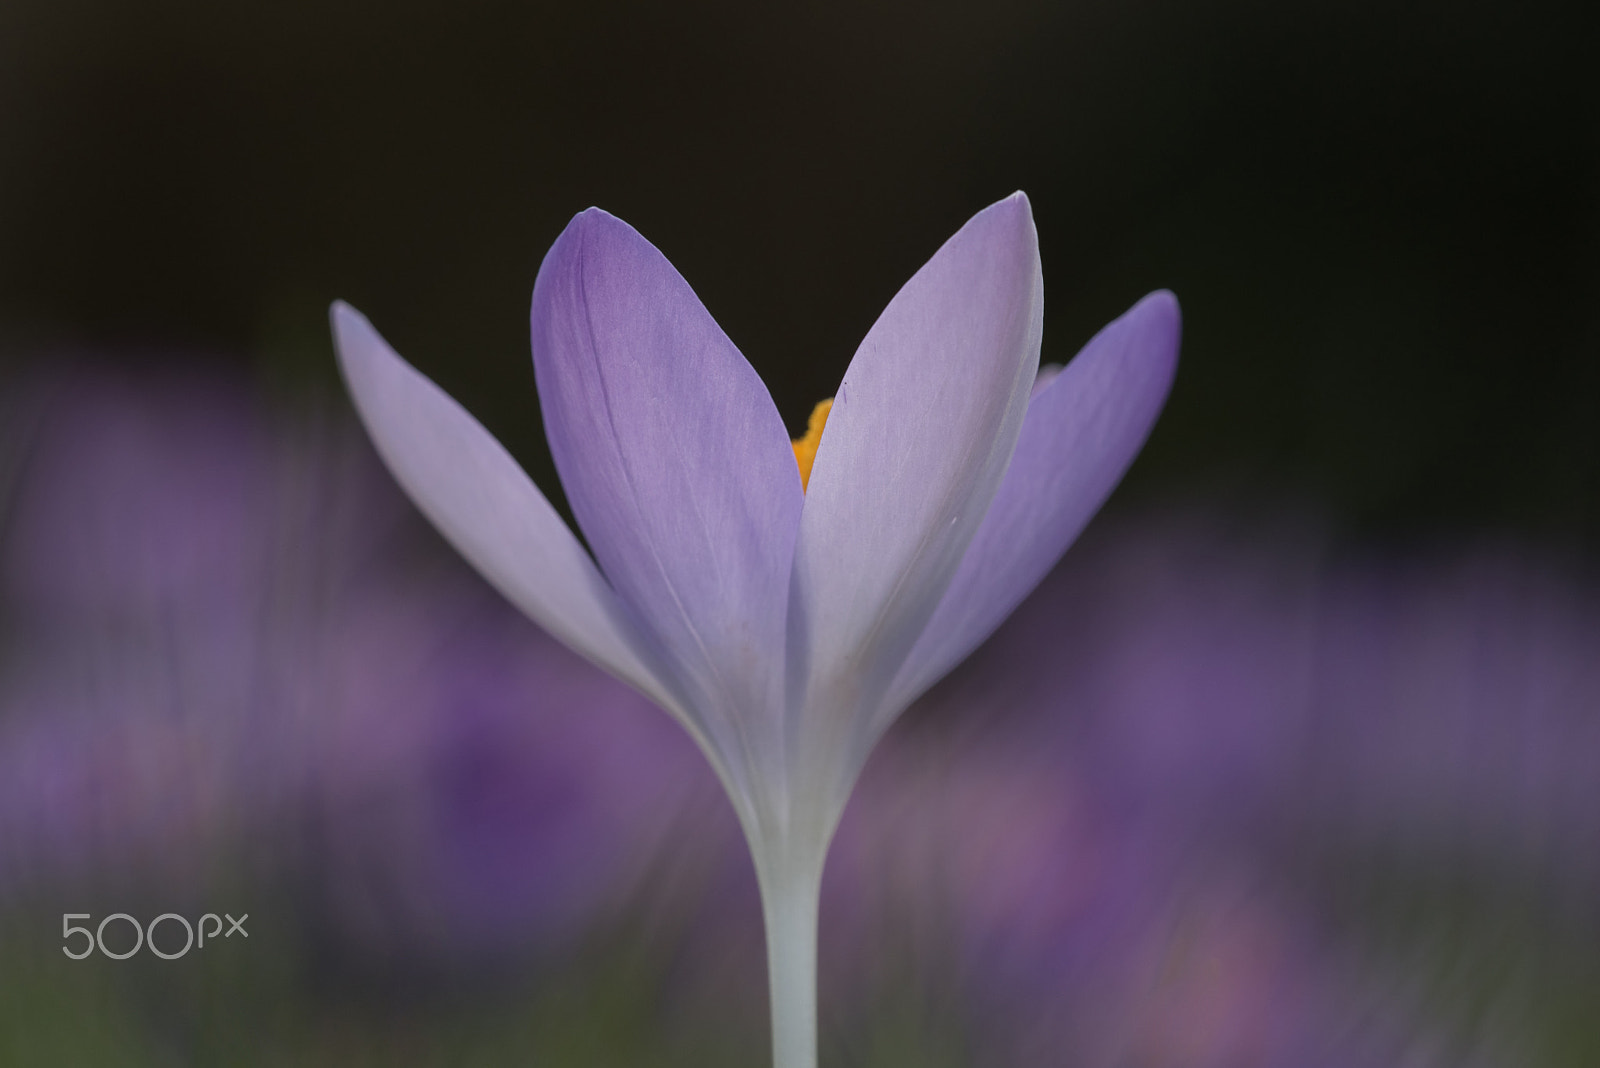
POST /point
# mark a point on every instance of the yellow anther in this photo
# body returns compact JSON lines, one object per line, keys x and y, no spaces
{"x":805,"y":449}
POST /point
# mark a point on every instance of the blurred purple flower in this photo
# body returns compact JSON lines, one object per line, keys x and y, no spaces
{"x":534,"y":795}
{"x":1120,"y":805}
{"x":211,"y":642}
{"x":168,"y":561}
{"x":1457,"y":703}
{"x":1077,"y":932}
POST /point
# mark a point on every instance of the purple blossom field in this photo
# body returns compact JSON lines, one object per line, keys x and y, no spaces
{"x":1226,"y":791}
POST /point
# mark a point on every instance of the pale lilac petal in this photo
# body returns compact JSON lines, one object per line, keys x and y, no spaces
{"x":677,"y":466}
{"x":1083,"y":429}
{"x":488,"y":508}
{"x":916,"y":444}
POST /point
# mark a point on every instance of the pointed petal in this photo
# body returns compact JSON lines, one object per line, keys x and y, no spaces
{"x":485,"y":505}
{"x":919,"y":436}
{"x":676,"y":463}
{"x":1083,"y":429}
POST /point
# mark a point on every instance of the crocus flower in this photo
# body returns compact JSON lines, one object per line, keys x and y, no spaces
{"x":784,"y":618}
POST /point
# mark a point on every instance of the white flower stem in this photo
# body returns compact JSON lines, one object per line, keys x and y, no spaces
{"x":790,"y":893}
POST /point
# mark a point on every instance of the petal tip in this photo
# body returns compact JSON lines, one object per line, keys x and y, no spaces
{"x":591,"y":232}
{"x":342,"y":316}
{"x":1159,"y":321}
{"x":1160,"y":310}
{"x":585,"y":223}
{"x":1004,"y":229}
{"x":350,"y":328}
{"x":1162,"y":307}
{"x":1165,"y":299}
{"x":593,"y":216}
{"x":1015,"y":207}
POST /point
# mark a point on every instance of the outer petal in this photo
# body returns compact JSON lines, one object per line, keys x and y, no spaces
{"x":487,"y":507}
{"x":677,"y":466}
{"x":1082,"y":431}
{"x":916,"y":444}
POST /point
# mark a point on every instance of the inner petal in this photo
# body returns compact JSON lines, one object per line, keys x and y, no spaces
{"x":805,"y":448}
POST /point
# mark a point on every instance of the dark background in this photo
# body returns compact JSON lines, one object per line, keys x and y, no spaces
{"x":1381,"y":220}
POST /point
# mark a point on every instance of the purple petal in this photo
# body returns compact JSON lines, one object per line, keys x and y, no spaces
{"x":918,"y":439}
{"x":1082,"y":431}
{"x":487,"y":507}
{"x":676,"y":463}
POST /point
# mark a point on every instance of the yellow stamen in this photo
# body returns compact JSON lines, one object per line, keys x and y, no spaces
{"x":805,"y":449}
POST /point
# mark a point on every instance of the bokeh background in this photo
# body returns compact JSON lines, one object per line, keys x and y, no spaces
{"x":1290,"y":763}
